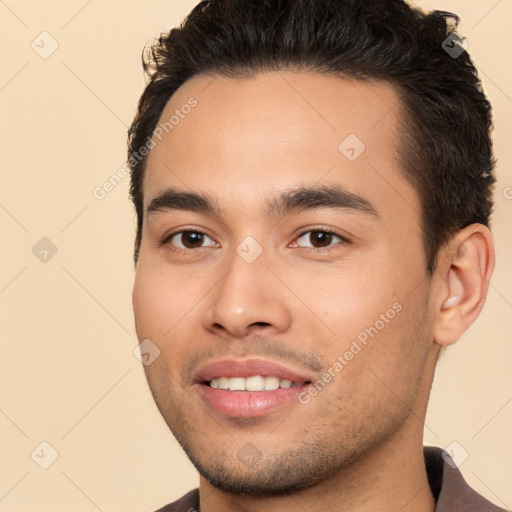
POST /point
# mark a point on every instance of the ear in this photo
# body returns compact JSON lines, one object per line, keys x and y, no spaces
{"x":465,"y":266}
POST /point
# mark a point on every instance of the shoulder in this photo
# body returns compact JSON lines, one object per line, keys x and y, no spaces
{"x":449,"y":487}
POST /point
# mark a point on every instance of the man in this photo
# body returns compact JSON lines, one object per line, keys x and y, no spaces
{"x":313,"y":184}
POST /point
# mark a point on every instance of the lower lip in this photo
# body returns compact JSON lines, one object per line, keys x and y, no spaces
{"x":248,"y":404}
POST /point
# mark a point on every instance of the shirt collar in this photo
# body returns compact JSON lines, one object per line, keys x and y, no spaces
{"x":448,"y":486}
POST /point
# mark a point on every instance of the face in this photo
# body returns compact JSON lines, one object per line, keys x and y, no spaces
{"x":300,"y":285}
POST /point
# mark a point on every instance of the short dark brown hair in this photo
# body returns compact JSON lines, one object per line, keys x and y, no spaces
{"x":445,"y":141}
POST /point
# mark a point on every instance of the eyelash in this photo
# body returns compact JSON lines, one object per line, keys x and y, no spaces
{"x":344,"y":240}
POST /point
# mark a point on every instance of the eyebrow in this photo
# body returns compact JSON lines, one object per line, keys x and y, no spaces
{"x":293,"y":201}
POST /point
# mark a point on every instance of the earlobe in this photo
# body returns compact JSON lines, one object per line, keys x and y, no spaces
{"x":467,"y":267}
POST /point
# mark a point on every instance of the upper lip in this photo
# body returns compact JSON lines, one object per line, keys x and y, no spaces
{"x":247,"y":368}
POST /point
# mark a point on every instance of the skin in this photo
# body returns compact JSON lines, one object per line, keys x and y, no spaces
{"x":357,"y":444}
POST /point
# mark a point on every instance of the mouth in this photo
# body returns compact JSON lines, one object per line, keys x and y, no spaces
{"x":249,"y":388}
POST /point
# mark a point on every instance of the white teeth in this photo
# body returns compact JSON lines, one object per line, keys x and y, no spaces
{"x":254,"y":383}
{"x":237,"y":384}
{"x":223,"y":382}
{"x":271,"y":383}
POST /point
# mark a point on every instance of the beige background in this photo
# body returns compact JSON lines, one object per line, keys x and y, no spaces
{"x":68,"y":373}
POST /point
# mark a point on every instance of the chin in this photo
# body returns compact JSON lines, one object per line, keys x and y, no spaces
{"x":256,"y":484}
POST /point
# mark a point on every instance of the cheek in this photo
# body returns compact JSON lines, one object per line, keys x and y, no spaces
{"x":346,"y":301}
{"x":155,"y":319}
{"x":166,"y":309}
{"x":154,"y":306}
{"x":160,"y":301}
{"x":380,"y":373}
{"x":373,"y":320}
{"x":143,"y":303}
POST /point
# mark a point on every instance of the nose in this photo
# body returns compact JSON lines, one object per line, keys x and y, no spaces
{"x":249,"y":299}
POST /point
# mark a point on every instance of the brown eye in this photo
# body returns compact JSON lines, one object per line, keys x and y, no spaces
{"x":188,"y":239}
{"x":319,"y":239}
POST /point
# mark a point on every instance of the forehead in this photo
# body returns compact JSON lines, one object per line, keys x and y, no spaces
{"x":254,"y":136}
